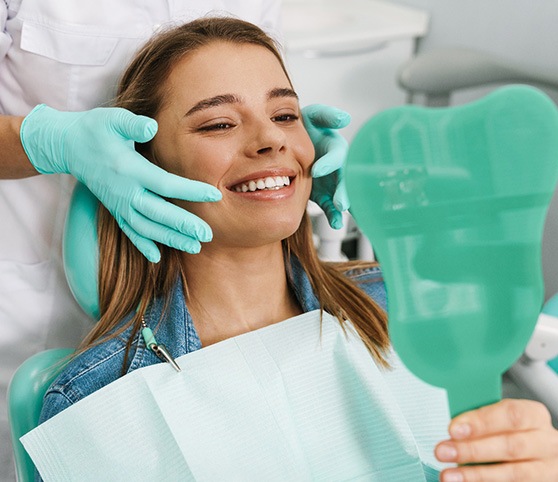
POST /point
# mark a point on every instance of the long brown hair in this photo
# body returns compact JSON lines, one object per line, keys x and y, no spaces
{"x":128,"y":282}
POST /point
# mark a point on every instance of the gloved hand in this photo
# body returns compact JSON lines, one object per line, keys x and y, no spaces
{"x":97,"y":147}
{"x":328,"y":189}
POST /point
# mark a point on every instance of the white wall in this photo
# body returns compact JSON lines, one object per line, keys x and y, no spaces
{"x":524,"y":32}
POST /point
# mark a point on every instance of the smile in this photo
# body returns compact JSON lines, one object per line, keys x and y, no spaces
{"x":271,"y":183}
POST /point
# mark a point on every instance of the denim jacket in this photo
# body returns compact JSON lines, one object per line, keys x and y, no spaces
{"x":102,"y":364}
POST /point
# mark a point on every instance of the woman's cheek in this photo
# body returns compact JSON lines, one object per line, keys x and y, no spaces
{"x":215,"y":154}
{"x":205,"y":164}
{"x":304,"y":150}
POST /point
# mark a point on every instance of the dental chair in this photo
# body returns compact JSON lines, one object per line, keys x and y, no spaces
{"x":32,"y":379}
{"x":438,"y":73}
{"x":435,"y":75}
{"x":25,"y":399}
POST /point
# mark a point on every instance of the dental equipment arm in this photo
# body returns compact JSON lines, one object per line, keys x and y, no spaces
{"x":543,"y":345}
{"x":532,"y":371}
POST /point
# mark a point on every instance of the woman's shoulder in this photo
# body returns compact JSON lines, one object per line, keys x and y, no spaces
{"x":369,"y":278}
{"x":86,"y":373}
{"x":361,"y":272}
{"x":105,"y":362}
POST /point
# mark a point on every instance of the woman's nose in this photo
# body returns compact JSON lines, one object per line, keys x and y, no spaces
{"x":267,"y":138}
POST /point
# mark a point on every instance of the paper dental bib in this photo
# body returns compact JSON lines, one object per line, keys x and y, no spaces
{"x":289,"y":402}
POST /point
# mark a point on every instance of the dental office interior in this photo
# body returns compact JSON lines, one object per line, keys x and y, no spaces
{"x":374,"y":55}
{"x":366,"y":56}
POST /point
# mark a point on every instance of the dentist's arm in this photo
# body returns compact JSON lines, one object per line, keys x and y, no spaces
{"x":14,"y":163}
{"x":97,"y":148}
{"x":512,"y":440}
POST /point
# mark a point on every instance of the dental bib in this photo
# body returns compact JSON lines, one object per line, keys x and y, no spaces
{"x":300,"y":400}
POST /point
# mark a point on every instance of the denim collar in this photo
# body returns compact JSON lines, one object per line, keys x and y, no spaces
{"x":173,"y":325}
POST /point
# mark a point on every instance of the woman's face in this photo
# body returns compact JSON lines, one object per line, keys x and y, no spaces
{"x":231,"y":119}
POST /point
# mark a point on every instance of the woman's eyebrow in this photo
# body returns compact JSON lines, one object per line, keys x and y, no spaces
{"x":233,"y":99}
{"x":213,"y":102}
{"x":281,"y":92}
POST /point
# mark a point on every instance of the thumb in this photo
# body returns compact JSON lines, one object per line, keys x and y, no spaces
{"x":138,"y":128}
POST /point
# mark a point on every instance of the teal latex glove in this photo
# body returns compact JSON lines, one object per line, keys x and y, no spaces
{"x":328,"y":189}
{"x":97,"y":148}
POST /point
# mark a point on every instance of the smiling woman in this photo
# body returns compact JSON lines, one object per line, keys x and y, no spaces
{"x":229,"y":116}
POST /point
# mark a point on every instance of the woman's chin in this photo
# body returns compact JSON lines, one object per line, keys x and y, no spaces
{"x":263,"y":234}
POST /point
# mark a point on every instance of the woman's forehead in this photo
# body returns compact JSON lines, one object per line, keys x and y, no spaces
{"x":222,"y":62}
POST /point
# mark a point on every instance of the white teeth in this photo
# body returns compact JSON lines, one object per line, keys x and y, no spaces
{"x":272,"y":183}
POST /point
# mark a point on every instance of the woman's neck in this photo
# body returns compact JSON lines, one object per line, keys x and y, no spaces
{"x":234,"y":291}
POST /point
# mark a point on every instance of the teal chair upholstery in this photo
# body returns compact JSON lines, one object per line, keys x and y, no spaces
{"x":32,"y":379}
{"x":25,"y":399}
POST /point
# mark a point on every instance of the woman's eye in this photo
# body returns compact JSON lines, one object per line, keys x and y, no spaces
{"x":285,"y":118}
{"x":220,"y":126}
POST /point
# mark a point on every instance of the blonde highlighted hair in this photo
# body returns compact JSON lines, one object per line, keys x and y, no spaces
{"x":128,"y":282}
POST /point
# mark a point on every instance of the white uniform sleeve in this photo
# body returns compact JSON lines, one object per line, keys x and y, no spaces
{"x":5,"y":39}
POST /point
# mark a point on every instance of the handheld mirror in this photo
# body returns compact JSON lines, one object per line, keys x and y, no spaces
{"x":454,"y":202}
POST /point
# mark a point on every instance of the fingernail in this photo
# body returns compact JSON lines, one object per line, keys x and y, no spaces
{"x":342,"y":205}
{"x":446,"y":453}
{"x":153,"y":257}
{"x":343,"y":117}
{"x":152,"y":254}
{"x":204,"y":235}
{"x":214,"y":196}
{"x":192,"y":249}
{"x":193,"y":246}
{"x":336,"y":223}
{"x":460,"y":431}
{"x":453,"y":476}
{"x":151,"y":129}
{"x":320,"y":171}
